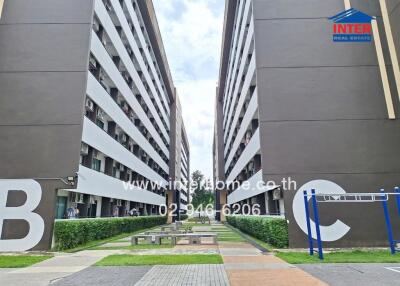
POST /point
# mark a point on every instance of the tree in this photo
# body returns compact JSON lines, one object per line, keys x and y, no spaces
{"x":202,"y":192}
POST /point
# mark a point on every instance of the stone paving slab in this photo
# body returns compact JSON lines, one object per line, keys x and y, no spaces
{"x":253,"y":259}
{"x":116,"y":244}
{"x":239,"y":251}
{"x":224,"y":244}
{"x":197,"y":247}
{"x":253,"y":266}
{"x":280,"y":277}
{"x":201,"y":228}
{"x":162,"y":251}
{"x":344,"y":274}
{"x":179,"y":275}
{"x":60,"y":266}
{"x":110,"y":276}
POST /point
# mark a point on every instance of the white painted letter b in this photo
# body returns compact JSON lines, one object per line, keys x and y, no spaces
{"x":25,"y":212}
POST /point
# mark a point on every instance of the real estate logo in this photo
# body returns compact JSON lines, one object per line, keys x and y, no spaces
{"x":352,"y":26}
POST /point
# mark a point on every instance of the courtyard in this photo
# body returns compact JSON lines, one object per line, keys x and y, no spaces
{"x":236,"y":259}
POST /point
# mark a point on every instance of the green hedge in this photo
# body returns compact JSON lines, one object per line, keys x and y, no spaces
{"x":72,"y":233}
{"x":184,"y":216}
{"x":268,"y":229}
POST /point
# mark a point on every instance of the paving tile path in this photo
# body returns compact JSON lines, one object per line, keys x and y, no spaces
{"x":365,"y":274}
{"x":201,"y":275}
{"x":107,"y":276}
{"x":243,"y":265}
{"x":53,"y":269}
{"x":246,"y":265}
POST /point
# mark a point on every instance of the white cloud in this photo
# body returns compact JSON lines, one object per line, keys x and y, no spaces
{"x":191,"y":32}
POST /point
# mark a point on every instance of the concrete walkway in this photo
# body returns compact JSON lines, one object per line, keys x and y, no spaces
{"x":243,"y":265}
{"x":179,"y":275}
{"x":53,"y":269}
{"x":246,"y":265}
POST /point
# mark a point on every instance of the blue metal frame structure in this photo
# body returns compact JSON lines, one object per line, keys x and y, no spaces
{"x":349,"y":197}
{"x":316,"y":217}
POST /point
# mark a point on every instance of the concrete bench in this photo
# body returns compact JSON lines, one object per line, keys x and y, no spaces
{"x":151,"y":238}
{"x":167,"y":232}
{"x":194,"y":238}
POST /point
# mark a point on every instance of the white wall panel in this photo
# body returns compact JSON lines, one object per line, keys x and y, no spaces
{"x":254,"y":188}
{"x":248,"y":153}
{"x":95,"y":183}
{"x":106,"y":62}
{"x":248,"y":116}
{"x":236,"y":92}
{"x":104,"y":100}
{"x":136,"y":24}
{"x":100,"y":140}
{"x":245,"y":89}
{"x":232,"y":54}
{"x":117,"y":42}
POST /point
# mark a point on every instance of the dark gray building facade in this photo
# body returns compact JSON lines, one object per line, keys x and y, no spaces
{"x":87,"y":103}
{"x":322,"y":113}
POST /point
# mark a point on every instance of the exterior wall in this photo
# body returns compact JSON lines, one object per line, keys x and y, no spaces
{"x":34,"y":70}
{"x":45,"y":49}
{"x":237,"y":141}
{"x":218,"y":160}
{"x":185,"y":169}
{"x":323,"y":113}
{"x":176,"y":155}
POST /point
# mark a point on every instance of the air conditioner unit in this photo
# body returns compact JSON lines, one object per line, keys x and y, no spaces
{"x":104,"y":41}
{"x":95,"y":154}
{"x":89,"y":104}
{"x":84,"y":149}
{"x":122,"y":137}
{"x":92,"y":62}
{"x":108,"y":6}
{"x":276,"y":194}
{"x":100,"y":114}
{"x":125,"y":106}
{"x":131,"y":115}
{"x":119,"y":203}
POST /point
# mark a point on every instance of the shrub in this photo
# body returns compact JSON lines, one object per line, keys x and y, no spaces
{"x":268,"y":229}
{"x":72,"y":233}
{"x":184,"y":216}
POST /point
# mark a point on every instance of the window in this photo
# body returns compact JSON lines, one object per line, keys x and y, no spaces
{"x":96,"y":164}
{"x":100,"y":123}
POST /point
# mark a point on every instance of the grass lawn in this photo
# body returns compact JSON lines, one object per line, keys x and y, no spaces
{"x":132,"y":260}
{"x":357,"y":256}
{"x":18,"y":261}
{"x":132,"y":247}
{"x":229,"y":236}
{"x":231,"y":239}
{"x":97,"y":243}
{"x":191,"y":224}
{"x":265,"y":245}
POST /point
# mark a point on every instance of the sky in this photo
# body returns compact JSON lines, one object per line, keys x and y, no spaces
{"x":192,"y":33}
